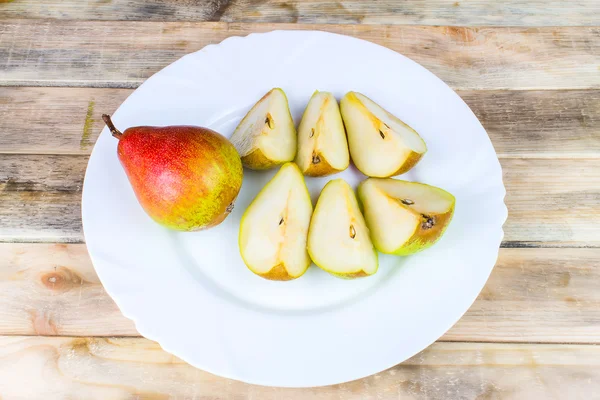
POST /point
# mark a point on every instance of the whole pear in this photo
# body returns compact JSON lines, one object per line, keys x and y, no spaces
{"x":185,"y":177}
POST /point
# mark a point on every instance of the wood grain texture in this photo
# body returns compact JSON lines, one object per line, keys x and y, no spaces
{"x":123,"y":54}
{"x":533,"y":124}
{"x":533,"y":295}
{"x":432,"y":12}
{"x":42,"y":209}
{"x":545,"y":130}
{"x":551,"y":202}
{"x":56,"y":120}
{"x":52,"y":289}
{"x":537,"y":295}
{"x":92,"y":368}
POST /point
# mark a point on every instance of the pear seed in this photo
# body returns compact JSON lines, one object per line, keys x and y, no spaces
{"x":407,"y":202}
{"x":281,"y":221}
{"x":352,"y":232}
{"x":428,"y":222}
{"x":381,"y":134}
{"x":269,"y":121}
{"x":316,"y":159}
{"x":312,"y":133}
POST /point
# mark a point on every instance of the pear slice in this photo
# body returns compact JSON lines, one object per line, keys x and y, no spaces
{"x":322,"y":145}
{"x":338,"y":238}
{"x":405,"y":217}
{"x":266,"y":136}
{"x":380,"y":144}
{"x":274,"y":228}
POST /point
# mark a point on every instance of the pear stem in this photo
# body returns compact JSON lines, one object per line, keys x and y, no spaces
{"x":115,"y":132}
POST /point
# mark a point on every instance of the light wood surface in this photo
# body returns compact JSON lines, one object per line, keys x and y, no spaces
{"x":52,"y":289}
{"x":530,"y":71}
{"x":532,"y":124}
{"x":551,"y":202}
{"x":97,"y":368}
{"x":431,"y":12}
{"x":533,"y":295}
{"x":99,"y":53}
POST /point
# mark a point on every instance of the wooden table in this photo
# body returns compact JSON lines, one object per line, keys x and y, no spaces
{"x":530,"y":70}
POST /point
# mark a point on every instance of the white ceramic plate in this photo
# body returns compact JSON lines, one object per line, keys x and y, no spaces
{"x":191,"y":291}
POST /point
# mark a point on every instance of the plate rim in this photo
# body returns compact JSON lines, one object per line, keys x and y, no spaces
{"x":152,"y":335}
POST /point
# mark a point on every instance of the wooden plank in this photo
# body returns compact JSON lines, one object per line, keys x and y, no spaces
{"x":433,"y":12}
{"x":533,"y":295}
{"x":124,"y":54}
{"x":533,"y":124}
{"x":560,"y":123}
{"x":41,"y":198}
{"x":551,"y":202}
{"x":42,"y":120}
{"x":537,"y":295}
{"x":29,"y":216}
{"x":52,"y":289}
{"x":92,"y":368}
{"x":556,"y":201}
{"x":29,"y":174}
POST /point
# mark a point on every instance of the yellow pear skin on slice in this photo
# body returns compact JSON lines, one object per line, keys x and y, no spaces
{"x":266,"y":136}
{"x":274,"y":227}
{"x":381,"y":145}
{"x":322,"y":144}
{"x":338,"y":238}
{"x":405,"y":217}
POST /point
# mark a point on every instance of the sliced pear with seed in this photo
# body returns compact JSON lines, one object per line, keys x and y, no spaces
{"x":405,"y":217}
{"x":274,"y":228}
{"x":338,"y":238}
{"x":322,"y":145}
{"x":266,"y":136}
{"x":381,"y":145}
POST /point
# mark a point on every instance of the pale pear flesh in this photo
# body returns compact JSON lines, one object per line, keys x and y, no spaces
{"x":274,"y":228}
{"x":338,"y":238}
{"x":405,"y":217}
{"x":322,"y":144}
{"x":381,"y":145}
{"x":266,"y":136}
